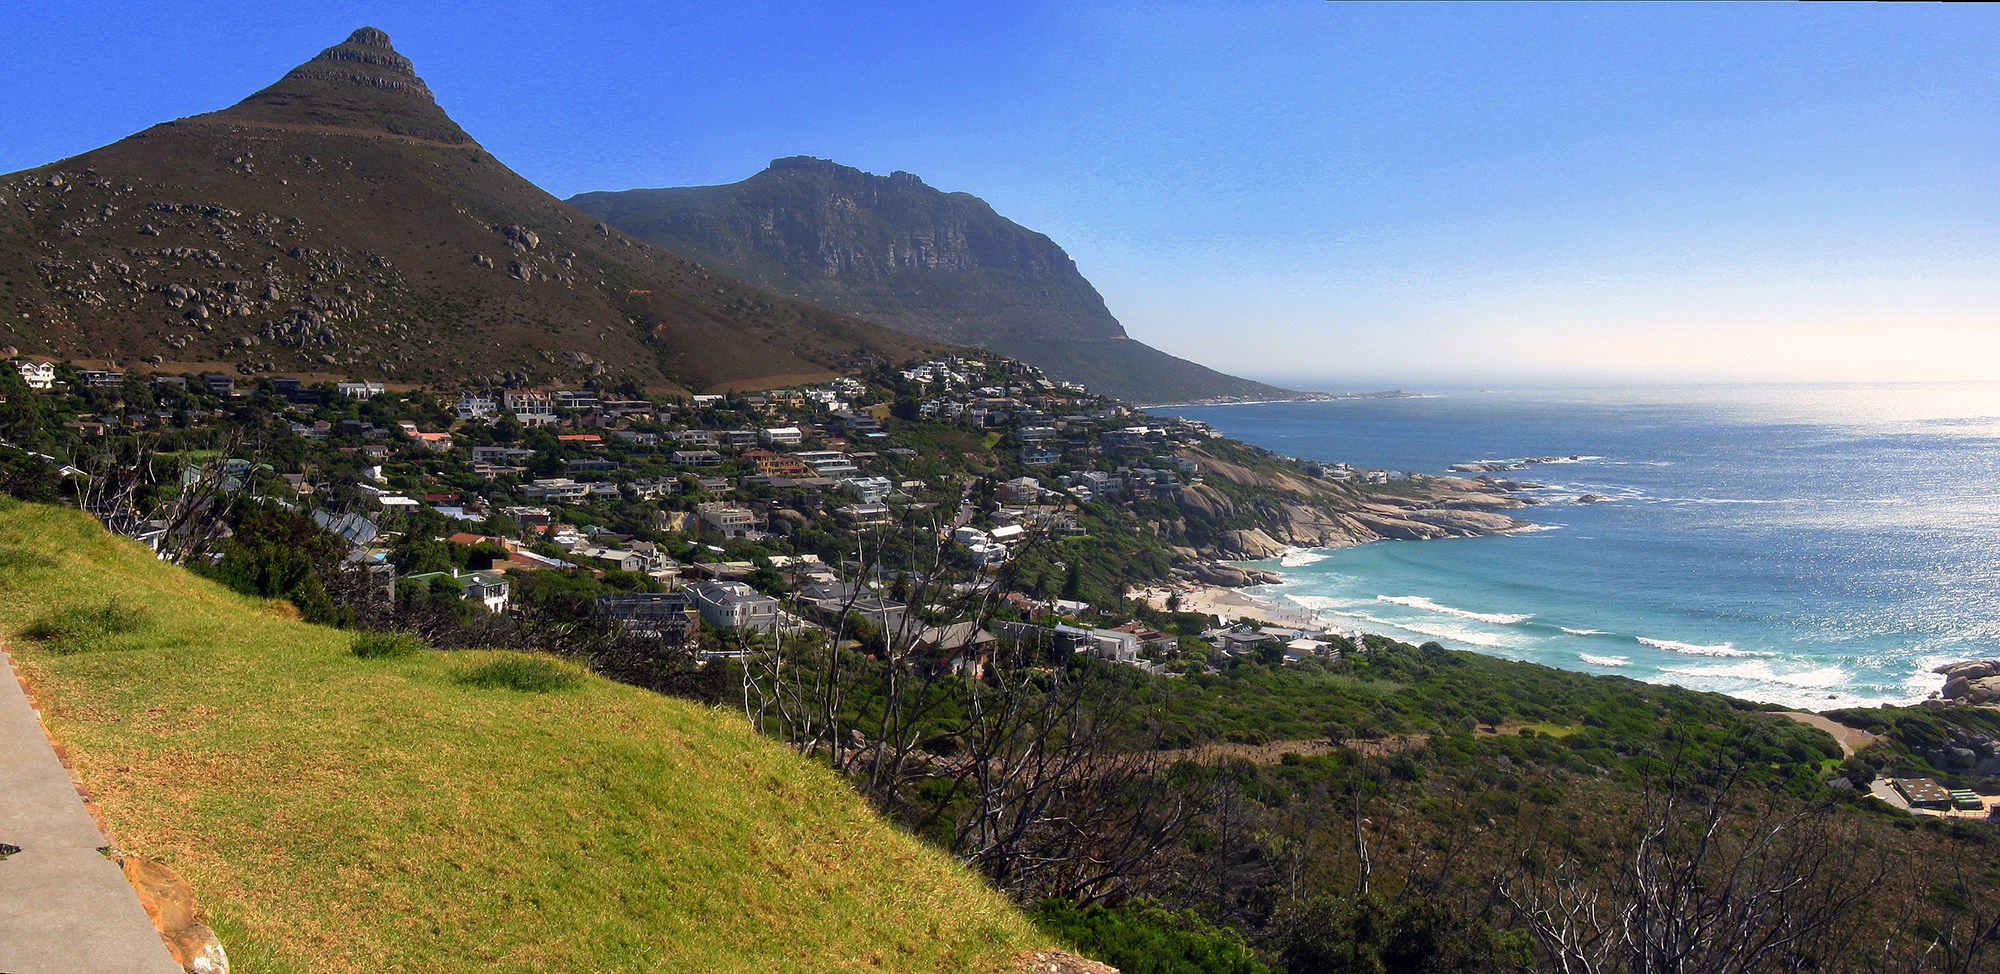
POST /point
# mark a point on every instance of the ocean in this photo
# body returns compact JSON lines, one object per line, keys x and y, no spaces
{"x":1817,"y":546}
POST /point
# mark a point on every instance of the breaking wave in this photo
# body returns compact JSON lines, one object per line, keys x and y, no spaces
{"x":1820,"y":678}
{"x":1692,"y":649}
{"x":1301,"y":557}
{"x":1419,"y":602}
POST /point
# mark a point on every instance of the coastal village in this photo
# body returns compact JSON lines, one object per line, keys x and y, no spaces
{"x":721,"y":514}
{"x":723,"y":523}
{"x":405,"y":568}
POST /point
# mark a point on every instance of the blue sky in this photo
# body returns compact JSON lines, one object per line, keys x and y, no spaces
{"x":1346,"y":196}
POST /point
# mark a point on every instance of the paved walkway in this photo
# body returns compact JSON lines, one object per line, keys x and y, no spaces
{"x":64,"y":907}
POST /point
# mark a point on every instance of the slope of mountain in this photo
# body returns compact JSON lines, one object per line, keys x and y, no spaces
{"x":339,"y":222}
{"x":339,"y":814}
{"x":900,"y":253}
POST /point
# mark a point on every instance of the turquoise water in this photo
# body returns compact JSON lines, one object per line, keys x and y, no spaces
{"x":1818,"y":546}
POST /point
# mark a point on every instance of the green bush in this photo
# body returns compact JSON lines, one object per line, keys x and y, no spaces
{"x":385,"y":645}
{"x":528,"y":674}
{"x":78,"y":628}
{"x":1139,"y":937}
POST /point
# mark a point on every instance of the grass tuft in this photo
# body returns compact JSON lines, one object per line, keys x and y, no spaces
{"x":385,"y":645}
{"x":80,"y":628}
{"x":14,"y":560}
{"x":528,"y":674}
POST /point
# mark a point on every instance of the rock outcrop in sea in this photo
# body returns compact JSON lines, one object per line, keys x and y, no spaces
{"x":1293,"y":510}
{"x":1973,"y":682}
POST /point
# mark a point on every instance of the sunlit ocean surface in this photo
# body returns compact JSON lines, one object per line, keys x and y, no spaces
{"x":1820,"y":546}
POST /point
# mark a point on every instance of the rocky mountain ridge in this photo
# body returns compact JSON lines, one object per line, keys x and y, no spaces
{"x":900,"y":253}
{"x":339,"y":224}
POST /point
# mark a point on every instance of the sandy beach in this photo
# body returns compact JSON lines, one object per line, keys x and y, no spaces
{"x":1229,"y":604}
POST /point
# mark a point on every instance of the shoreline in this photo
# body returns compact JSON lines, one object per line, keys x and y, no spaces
{"x":1229,"y":603}
{"x":1234,"y":603}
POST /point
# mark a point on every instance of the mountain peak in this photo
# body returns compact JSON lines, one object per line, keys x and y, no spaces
{"x":366,"y":53}
{"x":359,"y":85}
{"x":828,"y":168}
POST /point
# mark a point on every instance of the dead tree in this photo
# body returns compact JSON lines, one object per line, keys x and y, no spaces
{"x":1715,"y":882}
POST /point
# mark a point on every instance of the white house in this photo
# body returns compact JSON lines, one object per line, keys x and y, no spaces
{"x":38,"y":375}
{"x":734,"y":605}
{"x":476,"y":408}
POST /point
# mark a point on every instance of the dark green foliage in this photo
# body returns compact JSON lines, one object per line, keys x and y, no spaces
{"x":279,"y":554}
{"x":81,"y":628}
{"x":28,"y":478}
{"x":385,"y":645}
{"x":527,"y":674}
{"x":1419,"y":935}
{"x":1141,"y":937}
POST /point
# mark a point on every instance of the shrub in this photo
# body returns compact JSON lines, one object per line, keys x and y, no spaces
{"x":78,"y":628}
{"x":385,"y":645}
{"x":1139,"y":937}
{"x":528,"y":674}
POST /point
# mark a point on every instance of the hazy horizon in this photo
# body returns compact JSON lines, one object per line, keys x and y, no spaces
{"x":1400,"y":194}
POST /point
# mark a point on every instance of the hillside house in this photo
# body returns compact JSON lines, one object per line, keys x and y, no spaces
{"x":777,"y":464}
{"x":864,"y":515}
{"x":734,"y":605}
{"x":655,"y":488}
{"x":695,"y":458}
{"x":728,"y":520}
{"x":501,"y":454}
{"x":555,"y":489}
{"x":668,"y":615}
{"x":530,"y":407}
{"x":486,"y":588}
{"x":617,"y":560}
{"x":476,"y":408}
{"x":867,"y":490}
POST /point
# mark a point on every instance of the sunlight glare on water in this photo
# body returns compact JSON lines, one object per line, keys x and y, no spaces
{"x":1818,"y":546}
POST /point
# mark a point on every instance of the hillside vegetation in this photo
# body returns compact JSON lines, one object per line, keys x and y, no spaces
{"x":454,"y":811}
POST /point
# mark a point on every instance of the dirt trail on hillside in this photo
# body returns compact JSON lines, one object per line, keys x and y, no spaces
{"x":1851,"y":739}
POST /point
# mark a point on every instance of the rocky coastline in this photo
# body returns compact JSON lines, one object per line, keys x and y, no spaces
{"x":1974,"y":683}
{"x":1305,"y":512}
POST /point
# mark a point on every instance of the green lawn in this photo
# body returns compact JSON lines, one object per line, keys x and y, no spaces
{"x":410,"y":814}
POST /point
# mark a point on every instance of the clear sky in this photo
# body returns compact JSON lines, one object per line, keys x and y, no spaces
{"x":1347,"y":196}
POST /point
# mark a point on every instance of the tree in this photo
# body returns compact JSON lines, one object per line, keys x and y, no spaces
{"x":1715,"y":882}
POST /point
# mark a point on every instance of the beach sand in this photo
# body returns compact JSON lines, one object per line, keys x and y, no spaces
{"x":1229,"y":604}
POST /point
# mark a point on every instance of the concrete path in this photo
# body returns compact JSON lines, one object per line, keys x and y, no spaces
{"x":64,"y":907}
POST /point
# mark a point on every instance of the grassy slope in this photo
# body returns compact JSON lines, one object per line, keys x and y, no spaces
{"x":339,"y":814}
